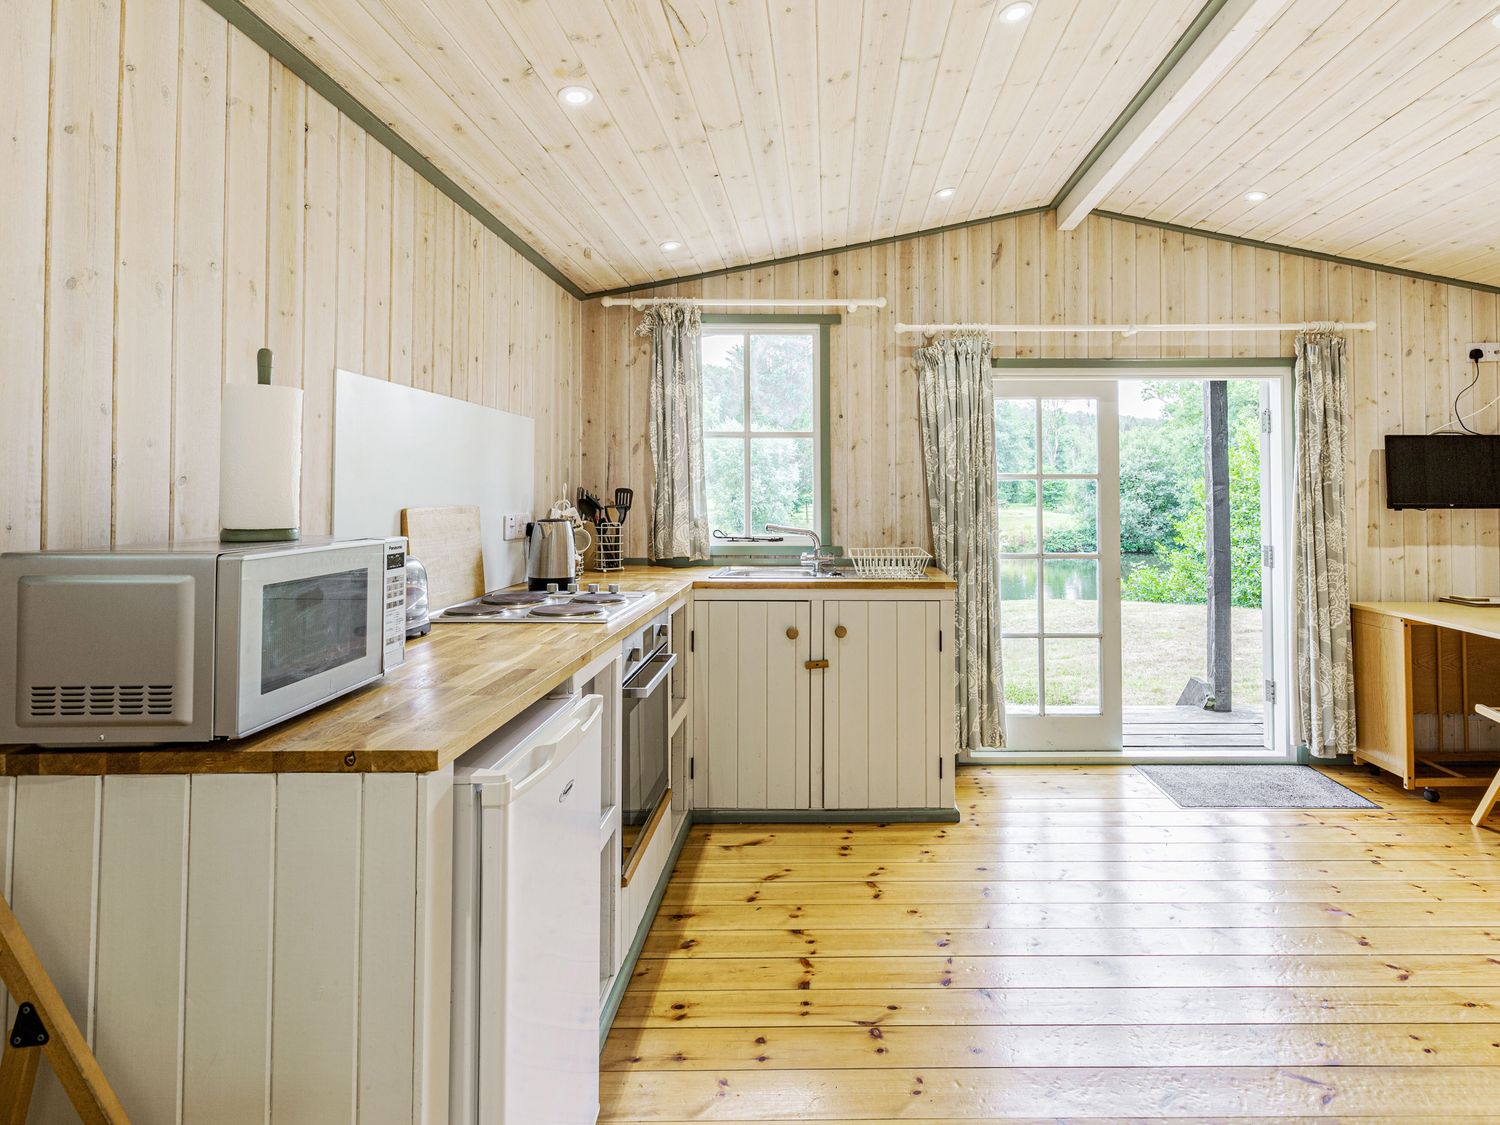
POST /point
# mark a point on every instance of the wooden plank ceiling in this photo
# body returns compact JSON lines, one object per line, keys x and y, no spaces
{"x":748,"y":130}
{"x":743,"y":129}
{"x":1372,"y":125}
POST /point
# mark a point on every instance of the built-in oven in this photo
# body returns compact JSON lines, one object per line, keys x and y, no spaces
{"x":645,"y":757}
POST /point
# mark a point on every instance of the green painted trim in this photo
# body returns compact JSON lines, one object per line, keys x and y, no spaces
{"x":1132,"y":363}
{"x":825,"y":816}
{"x":1276,"y":247}
{"x":772,"y":318}
{"x":647,"y":286}
{"x":1184,"y":44}
{"x":611,"y":1005}
{"x":279,"y":48}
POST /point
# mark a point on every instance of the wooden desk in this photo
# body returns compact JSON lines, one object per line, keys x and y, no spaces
{"x":1419,"y":669}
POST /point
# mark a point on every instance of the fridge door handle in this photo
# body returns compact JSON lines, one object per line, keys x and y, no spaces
{"x":550,"y":753}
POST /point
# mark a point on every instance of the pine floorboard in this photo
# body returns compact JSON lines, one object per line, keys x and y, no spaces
{"x":1076,"y":948}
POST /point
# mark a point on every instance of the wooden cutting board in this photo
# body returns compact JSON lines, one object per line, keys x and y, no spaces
{"x":446,"y":541}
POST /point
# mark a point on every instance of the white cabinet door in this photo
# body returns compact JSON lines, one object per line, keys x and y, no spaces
{"x":752,"y":710}
{"x":883,"y":734}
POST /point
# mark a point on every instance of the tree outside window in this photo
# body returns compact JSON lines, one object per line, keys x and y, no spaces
{"x":760,"y":424}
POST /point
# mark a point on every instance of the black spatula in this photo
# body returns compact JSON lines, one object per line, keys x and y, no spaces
{"x":623,"y":498}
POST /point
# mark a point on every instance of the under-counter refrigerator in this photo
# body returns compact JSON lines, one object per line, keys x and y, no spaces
{"x":526,"y":902}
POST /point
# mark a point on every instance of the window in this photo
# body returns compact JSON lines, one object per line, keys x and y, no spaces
{"x":763,"y":395}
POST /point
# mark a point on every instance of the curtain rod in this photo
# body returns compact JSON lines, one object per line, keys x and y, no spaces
{"x":850,"y":303}
{"x":1132,"y":329}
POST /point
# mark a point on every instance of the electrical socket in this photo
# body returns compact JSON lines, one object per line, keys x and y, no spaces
{"x":1491,"y":351}
{"x":515,"y":526}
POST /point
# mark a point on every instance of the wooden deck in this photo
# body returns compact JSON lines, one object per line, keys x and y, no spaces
{"x":1192,"y":728}
{"x":1078,"y":947}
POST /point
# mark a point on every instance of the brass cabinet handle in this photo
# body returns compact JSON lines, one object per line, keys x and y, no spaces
{"x":840,"y":632}
{"x":815,"y":665}
{"x":791,"y":633}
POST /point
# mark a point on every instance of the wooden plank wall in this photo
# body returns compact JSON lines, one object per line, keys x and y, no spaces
{"x":1022,"y":270}
{"x":174,"y":200}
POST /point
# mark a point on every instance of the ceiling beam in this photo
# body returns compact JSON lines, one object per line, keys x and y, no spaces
{"x":1220,"y":42}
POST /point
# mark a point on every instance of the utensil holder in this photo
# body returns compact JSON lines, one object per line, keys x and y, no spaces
{"x":607,"y":546}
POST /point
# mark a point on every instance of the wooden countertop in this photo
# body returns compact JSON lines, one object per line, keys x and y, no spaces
{"x":1481,"y":621}
{"x":460,"y":683}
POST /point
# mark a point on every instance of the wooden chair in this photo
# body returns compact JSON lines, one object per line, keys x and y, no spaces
{"x":1492,"y":794}
{"x":43,"y":1024}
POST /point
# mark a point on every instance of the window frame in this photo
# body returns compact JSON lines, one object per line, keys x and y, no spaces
{"x":770,"y":323}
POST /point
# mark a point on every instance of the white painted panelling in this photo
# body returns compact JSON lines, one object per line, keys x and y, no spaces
{"x":142,"y":943}
{"x":882,"y":710}
{"x":753,"y":704}
{"x":315,"y":989}
{"x":434,"y":944}
{"x":54,"y":894}
{"x":227,"y":1026}
{"x":387,"y":949}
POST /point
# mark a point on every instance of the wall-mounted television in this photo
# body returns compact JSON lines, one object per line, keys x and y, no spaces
{"x":1442,"y":471}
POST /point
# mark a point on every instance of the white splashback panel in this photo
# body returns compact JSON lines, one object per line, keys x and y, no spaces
{"x":397,"y":447}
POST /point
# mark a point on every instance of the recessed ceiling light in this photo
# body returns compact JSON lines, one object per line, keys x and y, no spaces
{"x":575,"y":95}
{"x":1256,"y":196}
{"x":1015,"y":13}
{"x":670,"y":246}
{"x":946,"y":192}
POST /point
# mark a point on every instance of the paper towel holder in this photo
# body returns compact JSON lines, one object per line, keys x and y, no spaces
{"x":260,"y":534}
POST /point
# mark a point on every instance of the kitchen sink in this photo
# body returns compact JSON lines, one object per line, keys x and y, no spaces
{"x":774,"y":573}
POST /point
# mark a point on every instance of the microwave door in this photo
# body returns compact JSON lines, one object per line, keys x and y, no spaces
{"x":306,"y":627}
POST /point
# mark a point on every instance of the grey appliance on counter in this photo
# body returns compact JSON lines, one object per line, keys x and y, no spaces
{"x":553,"y":556}
{"x":188,"y":642}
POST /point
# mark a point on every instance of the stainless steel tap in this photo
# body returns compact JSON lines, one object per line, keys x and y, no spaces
{"x":816,"y":558}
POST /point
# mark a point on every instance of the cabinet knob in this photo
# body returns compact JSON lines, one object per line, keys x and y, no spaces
{"x":791,"y":633}
{"x":840,"y":632}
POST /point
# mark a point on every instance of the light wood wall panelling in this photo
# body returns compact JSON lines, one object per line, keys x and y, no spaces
{"x":175,"y":200}
{"x":143,"y":272}
{"x":1404,"y":375}
{"x":25,"y":53}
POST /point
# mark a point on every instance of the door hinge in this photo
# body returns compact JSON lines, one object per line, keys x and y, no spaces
{"x":940,"y":640}
{"x":691,"y":763}
{"x":1270,"y":691}
{"x":1265,"y":420}
{"x":940,"y":767}
{"x":1267,"y":555}
{"x":692,"y":640}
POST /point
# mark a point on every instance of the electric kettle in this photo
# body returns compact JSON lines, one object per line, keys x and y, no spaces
{"x":553,"y":553}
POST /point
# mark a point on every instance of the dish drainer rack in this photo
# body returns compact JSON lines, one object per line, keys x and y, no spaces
{"x":607,"y":546}
{"x":890,"y":562}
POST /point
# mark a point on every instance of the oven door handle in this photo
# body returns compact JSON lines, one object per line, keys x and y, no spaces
{"x":634,"y":691}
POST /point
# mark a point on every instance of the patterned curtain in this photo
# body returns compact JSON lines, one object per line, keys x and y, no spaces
{"x":1325,"y":667}
{"x":679,"y":500}
{"x":957,"y":412}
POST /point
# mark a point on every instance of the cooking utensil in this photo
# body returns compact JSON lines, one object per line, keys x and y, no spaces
{"x":623,"y":499}
{"x":588,"y":507}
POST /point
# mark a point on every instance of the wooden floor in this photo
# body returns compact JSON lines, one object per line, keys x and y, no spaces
{"x":1192,"y":728}
{"x":1077,"y":948}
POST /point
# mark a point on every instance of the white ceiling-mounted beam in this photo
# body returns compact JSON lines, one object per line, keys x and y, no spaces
{"x":1214,"y":51}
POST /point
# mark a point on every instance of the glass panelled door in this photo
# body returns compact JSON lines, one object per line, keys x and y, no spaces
{"x":1058,"y":495}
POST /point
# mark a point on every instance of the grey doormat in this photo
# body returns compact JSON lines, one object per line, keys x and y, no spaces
{"x":1253,"y":787}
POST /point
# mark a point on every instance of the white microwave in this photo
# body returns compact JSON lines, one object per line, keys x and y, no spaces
{"x":188,"y":642}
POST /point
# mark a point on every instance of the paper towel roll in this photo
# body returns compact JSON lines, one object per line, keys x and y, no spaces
{"x":260,"y":458}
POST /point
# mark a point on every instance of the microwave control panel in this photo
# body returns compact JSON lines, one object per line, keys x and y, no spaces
{"x":394,"y":616}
